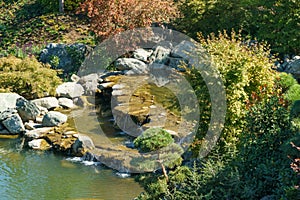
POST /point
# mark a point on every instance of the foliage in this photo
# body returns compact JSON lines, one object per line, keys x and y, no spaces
{"x":27,"y":77}
{"x":153,"y":139}
{"x":259,"y":166}
{"x":286,"y":81}
{"x":274,"y":21}
{"x":293,"y":93}
{"x":110,"y":17}
{"x":52,"y":5}
{"x":246,"y":73}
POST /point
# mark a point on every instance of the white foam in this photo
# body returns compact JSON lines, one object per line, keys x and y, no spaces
{"x":123,"y":175}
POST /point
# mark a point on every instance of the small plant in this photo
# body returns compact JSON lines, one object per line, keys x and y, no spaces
{"x":153,"y":139}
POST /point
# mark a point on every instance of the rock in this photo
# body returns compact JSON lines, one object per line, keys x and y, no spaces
{"x":39,"y":144}
{"x":46,"y":102}
{"x":65,"y":102}
{"x":142,"y":54}
{"x":3,"y":130}
{"x":68,"y":57}
{"x":8,"y":100}
{"x":292,"y":66}
{"x":132,"y":64}
{"x":32,"y":125}
{"x":37,"y":133}
{"x":160,"y":55}
{"x":183,"y":50}
{"x":27,"y":110}
{"x":75,"y":78}
{"x":176,"y":63}
{"x":54,"y":118}
{"x":82,"y":144}
{"x":69,"y":90}
{"x":14,"y":124}
{"x":104,"y":86}
{"x":7,"y":113}
{"x":90,"y":83}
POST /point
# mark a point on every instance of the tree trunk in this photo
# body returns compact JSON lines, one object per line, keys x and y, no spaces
{"x":61,"y":6}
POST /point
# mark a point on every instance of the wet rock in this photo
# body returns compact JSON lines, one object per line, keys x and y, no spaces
{"x":142,"y":54}
{"x":8,"y":100}
{"x":14,"y":124}
{"x":65,"y":102}
{"x":39,"y":144}
{"x":46,"y":102}
{"x":54,"y":118}
{"x":69,"y":90}
{"x":27,"y":110}
{"x":131,"y":64}
{"x":82,"y":144}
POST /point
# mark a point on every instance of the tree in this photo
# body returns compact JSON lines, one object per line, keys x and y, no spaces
{"x":111,"y":16}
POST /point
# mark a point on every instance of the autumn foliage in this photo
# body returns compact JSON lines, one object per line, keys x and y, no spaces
{"x":112,"y":16}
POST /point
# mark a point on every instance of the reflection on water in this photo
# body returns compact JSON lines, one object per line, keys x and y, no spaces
{"x":37,"y":175}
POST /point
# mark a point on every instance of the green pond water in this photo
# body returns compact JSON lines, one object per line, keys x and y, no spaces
{"x":29,"y":174}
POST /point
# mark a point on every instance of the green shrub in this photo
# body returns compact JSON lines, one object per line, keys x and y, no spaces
{"x":153,"y":139}
{"x":52,"y":5}
{"x":246,"y":73}
{"x":293,"y":93}
{"x":274,"y":21}
{"x":286,"y":81}
{"x":27,"y":77}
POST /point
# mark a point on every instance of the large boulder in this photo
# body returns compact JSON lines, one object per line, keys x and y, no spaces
{"x":14,"y":124}
{"x":70,"y":90}
{"x":65,"y":102}
{"x":54,"y":118}
{"x":65,"y":57}
{"x":46,"y":102}
{"x":90,"y":83}
{"x":8,"y":100}
{"x":142,"y":54}
{"x":27,"y":110}
{"x":132,"y":64}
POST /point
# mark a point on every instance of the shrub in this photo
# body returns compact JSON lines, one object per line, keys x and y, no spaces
{"x":27,"y":77}
{"x":274,"y":21}
{"x":110,"y":16}
{"x":246,"y":72}
{"x":153,"y":139}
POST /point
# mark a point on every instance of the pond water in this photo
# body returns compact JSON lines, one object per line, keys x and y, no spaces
{"x":29,"y":174}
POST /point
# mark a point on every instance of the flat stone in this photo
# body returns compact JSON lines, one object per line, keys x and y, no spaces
{"x":39,"y":144}
{"x":32,"y":125}
{"x":103,"y":86}
{"x":70,"y":90}
{"x":46,"y":102}
{"x":14,"y":124}
{"x":131,"y":64}
{"x":54,"y":118}
{"x":37,"y":133}
{"x":65,"y":102}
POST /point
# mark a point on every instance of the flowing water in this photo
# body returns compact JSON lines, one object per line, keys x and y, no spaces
{"x":29,"y":174}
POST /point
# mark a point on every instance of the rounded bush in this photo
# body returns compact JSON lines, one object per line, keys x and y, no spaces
{"x":153,"y":139}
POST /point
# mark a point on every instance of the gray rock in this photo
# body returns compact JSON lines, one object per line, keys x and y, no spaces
{"x":183,"y":50}
{"x":14,"y":124}
{"x":7,"y":113}
{"x":160,"y":55}
{"x":32,"y":125}
{"x":65,"y":102}
{"x":70,"y":90}
{"x":177,"y":63}
{"x":69,"y":57}
{"x":54,"y":118}
{"x":39,"y":144}
{"x":37,"y":133}
{"x":142,"y":54}
{"x":3,"y":130}
{"x":292,"y":66}
{"x":8,"y":100}
{"x":90,"y":83}
{"x":27,"y":110}
{"x":46,"y":102}
{"x":83,"y":141}
{"x":132,"y":64}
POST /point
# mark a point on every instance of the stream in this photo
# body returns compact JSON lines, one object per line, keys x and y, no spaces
{"x":29,"y":174}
